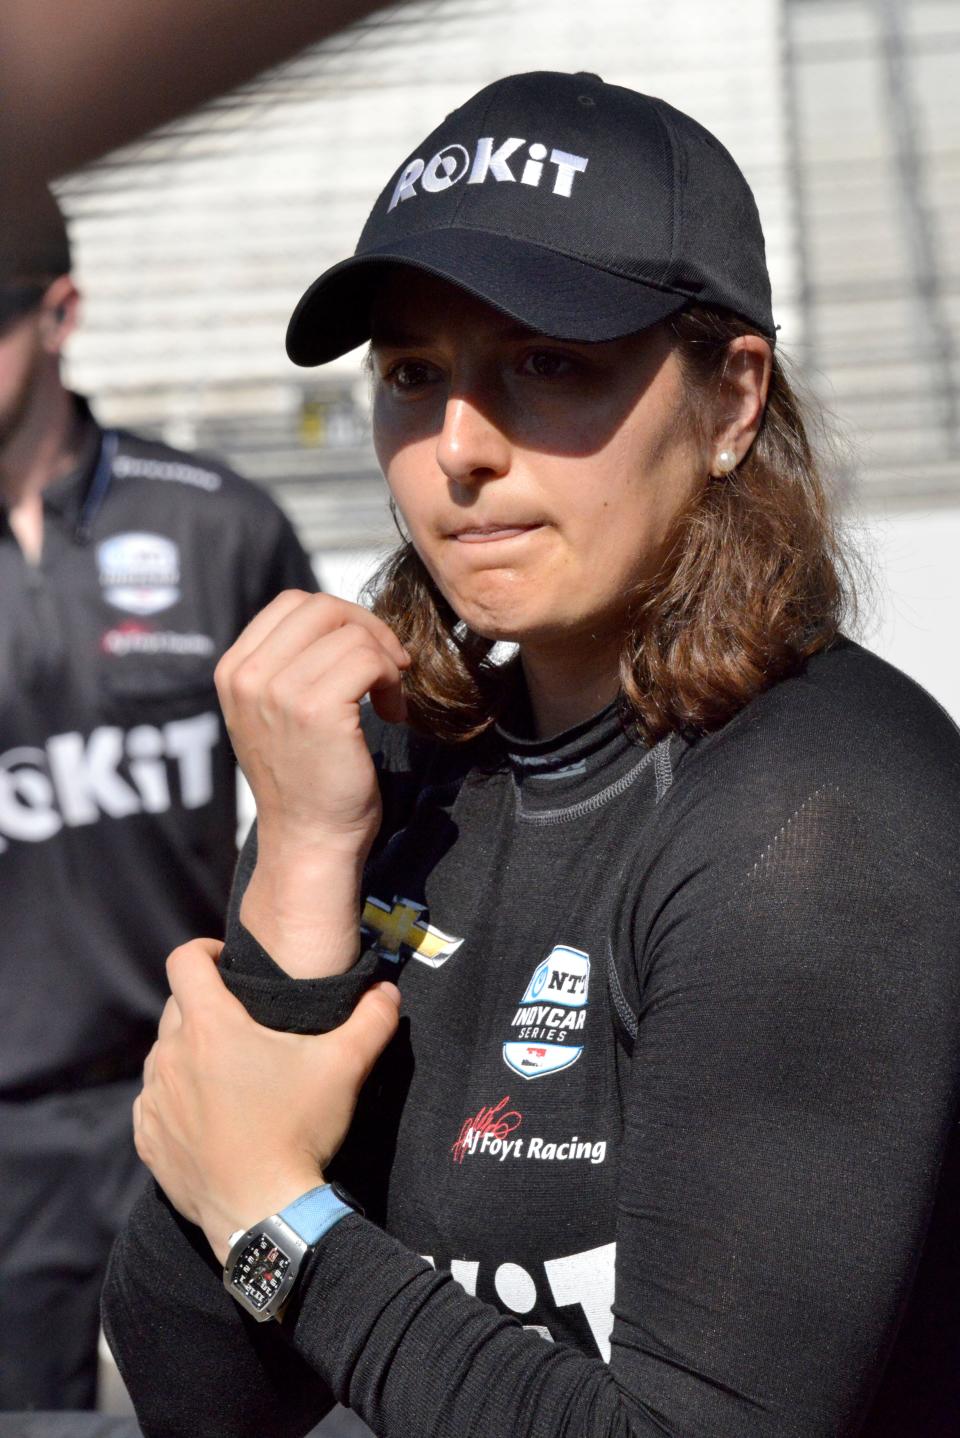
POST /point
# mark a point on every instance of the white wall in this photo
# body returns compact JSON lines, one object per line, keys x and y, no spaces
{"x":345,"y":571}
{"x":914,"y":559}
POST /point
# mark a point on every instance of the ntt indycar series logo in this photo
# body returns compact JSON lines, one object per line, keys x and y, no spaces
{"x":139,"y":572}
{"x":489,"y":161}
{"x":549,"y":1021}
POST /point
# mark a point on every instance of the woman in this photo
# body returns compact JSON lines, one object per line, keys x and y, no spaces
{"x":661,"y":1144}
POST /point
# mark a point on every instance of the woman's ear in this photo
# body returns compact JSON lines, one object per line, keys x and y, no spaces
{"x":741,"y":400}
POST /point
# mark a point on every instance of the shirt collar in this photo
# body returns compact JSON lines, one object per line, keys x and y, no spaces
{"x":583,"y":766}
{"x":65,"y":495}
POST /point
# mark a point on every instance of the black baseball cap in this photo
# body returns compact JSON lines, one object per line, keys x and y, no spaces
{"x":583,"y":210}
{"x":34,"y":250}
{"x":33,"y":237}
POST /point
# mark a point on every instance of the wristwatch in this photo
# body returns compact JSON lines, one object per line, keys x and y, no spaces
{"x":265,"y":1261}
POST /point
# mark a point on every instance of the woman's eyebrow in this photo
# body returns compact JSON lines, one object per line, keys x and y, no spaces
{"x":392,"y":336}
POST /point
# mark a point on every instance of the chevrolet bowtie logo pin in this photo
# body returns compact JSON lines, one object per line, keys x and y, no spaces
{"x":398,"y":926}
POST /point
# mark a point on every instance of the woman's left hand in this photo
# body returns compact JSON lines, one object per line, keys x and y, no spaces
{"x":235,"y":1120}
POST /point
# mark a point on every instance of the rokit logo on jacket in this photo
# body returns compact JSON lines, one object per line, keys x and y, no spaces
{"x":74,"y":780}
{"x":583,"y":1280}
{"x":139,"y":572}
{"x":488,"y":161}
{"x":551,"y":1015}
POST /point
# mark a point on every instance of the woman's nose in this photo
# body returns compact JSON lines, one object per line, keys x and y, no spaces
{"x":471,"y":447}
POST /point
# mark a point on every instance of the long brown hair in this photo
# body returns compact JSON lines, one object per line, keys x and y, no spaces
{"x":751,"y":583}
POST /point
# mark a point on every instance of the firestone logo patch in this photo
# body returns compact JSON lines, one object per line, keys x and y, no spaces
{"x":547,"y":1025}
{"x":489,"y":160}
{"x":134,"y":637}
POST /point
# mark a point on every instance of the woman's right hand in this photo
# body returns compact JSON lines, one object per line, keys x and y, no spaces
{"x":291,"y":688}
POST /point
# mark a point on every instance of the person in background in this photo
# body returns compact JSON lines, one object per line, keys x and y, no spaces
{"x":126,"y":569}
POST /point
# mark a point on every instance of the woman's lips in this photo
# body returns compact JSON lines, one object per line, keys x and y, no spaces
{"x":486,"y":534}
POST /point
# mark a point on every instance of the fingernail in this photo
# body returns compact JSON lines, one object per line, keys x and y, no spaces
{"x":390,"y":990}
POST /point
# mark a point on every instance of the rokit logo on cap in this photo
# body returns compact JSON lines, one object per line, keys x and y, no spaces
{"x":451,"y":164}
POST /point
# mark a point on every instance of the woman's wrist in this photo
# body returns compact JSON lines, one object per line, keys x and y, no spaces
{"x":220,"y":1220}
{"x":302,"y":906}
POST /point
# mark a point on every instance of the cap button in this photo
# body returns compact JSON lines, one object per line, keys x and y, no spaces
{"x":587,"y":101}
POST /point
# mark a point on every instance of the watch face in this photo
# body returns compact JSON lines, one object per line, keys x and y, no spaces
{"x":259,"y":1271}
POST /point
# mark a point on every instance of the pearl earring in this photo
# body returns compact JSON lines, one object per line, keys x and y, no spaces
{"x":726,"y":460}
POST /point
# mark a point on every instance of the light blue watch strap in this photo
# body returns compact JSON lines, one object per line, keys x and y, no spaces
{"x":315,"y":1213}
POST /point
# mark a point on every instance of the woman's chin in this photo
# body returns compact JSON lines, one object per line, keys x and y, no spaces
{"x":513,"y":628}
{"x":497,"y":632}
{"x":498,"y":607}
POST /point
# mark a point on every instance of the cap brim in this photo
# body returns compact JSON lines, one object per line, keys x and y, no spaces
{"x":550,"y":293}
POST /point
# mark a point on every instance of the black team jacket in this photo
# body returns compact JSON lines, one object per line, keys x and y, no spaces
{"x":117,"y":783}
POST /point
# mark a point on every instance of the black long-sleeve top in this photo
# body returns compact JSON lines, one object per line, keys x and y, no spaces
{"x":666,"y":1144}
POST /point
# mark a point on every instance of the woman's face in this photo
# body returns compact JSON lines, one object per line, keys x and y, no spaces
{"x":537,"y":478}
